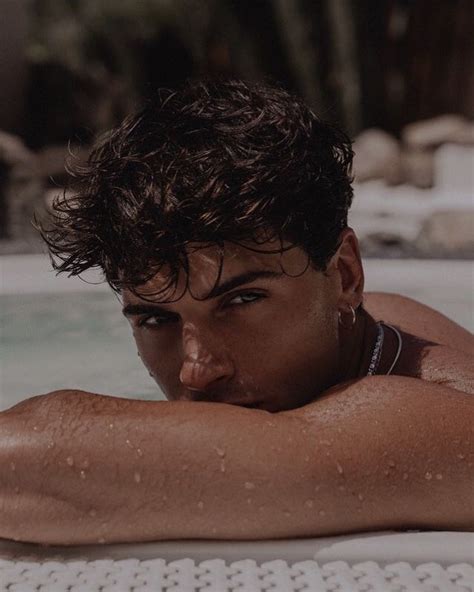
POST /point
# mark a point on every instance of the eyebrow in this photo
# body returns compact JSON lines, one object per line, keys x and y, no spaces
{"x":230,"y":284}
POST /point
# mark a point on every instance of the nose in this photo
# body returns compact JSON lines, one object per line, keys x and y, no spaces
{"x":202,"y":366}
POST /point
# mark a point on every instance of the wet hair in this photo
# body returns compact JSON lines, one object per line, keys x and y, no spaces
{"x":214,"y":161}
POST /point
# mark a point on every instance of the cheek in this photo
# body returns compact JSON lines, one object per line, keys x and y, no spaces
{"x":295,"y":354}
{"x":156,"y":356}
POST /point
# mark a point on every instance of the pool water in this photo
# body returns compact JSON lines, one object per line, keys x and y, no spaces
{"x":73,"y":340}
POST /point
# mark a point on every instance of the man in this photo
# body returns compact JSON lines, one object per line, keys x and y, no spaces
{"x":219,"y":216}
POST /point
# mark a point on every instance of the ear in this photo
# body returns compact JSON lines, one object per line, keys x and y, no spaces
{"x":346,"y":264}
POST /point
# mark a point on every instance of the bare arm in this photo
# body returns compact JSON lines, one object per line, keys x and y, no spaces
{"x":384,"y":452}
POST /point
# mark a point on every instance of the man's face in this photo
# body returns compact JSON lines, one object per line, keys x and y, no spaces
{"x":266,"y":337}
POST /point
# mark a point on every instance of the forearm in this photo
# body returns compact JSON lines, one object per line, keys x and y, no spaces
{"x":371,"y":456}
{"x":90,"y":468}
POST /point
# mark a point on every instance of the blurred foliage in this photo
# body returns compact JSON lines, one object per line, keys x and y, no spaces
{"x":360,"y":63}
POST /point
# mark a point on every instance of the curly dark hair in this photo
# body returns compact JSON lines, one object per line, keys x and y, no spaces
{"x":214,"y":161}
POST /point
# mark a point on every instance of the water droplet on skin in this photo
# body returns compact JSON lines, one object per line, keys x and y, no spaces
{"x":439,"y":476}
{"x":405,"y":476}
{"x":139,"y":452}
{"x":12,"y":466}
{"x":325,"y":443}
{"x":220,"y":452}
{"x":391,"y":463}
{"x":340,"y":470}
{"x":361,"y":497}
{"x":92,"y":513}
{"x":35,"y":428}
{"x":287,"y":513}
{"x":341,"y":488}
{"x":386,"y":473}
{"x":385,"y":453}
{"x":101,"y":541}
{"x":137,"y":477}
{"x":111,"y":426}
{"x":309,"y":503}
{"x":222,"y":466}
{"x":82,"y":474}
{"x":428,"y":476}
{"x":51,"y":444}
{"x":200,"y":505}
{"x":70,"y":461}
{"x":249,"y":485}
{"x":322,"y":513}
{"x":307,"y":458}
{"x":128,"y":443}
{"x":461,"y":456}
{"x":249,"y":500}
{"x":317,"y":488}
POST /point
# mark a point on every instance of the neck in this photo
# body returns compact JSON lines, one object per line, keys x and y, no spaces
{"x":357,"y":347}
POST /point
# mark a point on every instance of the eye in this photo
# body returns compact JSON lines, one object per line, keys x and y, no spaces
{"x":245,"y":298}
{"x":154,"y":321}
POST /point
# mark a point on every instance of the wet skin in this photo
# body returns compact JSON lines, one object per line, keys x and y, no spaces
{"x":273,"y":341}
{"x":340,"y":453}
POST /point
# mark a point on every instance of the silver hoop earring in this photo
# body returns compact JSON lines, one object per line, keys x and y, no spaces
{"x":353,"y":318}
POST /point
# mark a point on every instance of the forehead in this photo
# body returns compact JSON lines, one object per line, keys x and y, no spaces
{"x":211,"y":265}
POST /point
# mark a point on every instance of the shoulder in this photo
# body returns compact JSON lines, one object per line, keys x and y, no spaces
{"x":419,"y":320}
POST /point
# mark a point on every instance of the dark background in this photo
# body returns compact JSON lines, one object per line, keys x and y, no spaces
{"x":70,"y":69}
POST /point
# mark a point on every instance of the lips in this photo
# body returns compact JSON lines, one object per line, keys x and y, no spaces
{"x":207,"y":399}
{"x":253,"y":405}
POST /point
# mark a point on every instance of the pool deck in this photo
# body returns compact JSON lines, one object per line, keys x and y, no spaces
{"x":405,"y":562}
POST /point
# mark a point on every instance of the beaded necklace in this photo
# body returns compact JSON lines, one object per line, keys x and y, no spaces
{"x":377,"y":351}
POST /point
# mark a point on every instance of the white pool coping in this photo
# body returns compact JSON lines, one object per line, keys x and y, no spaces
{"x":382,"y":547}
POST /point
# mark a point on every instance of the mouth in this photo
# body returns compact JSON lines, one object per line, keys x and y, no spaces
{"x":203,"y":397}
{"x":247,"y":405}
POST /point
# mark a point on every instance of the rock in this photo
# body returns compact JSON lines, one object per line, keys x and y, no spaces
{"x":385,"y":244}
{"x":418,"y":168}
{"x":448,"y":233}
{"x":454,"y":166}
{"x":13,"y":152}
{"x":431,"y":133}
{"x":377,"y":155}
{"x":21,"y":189}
